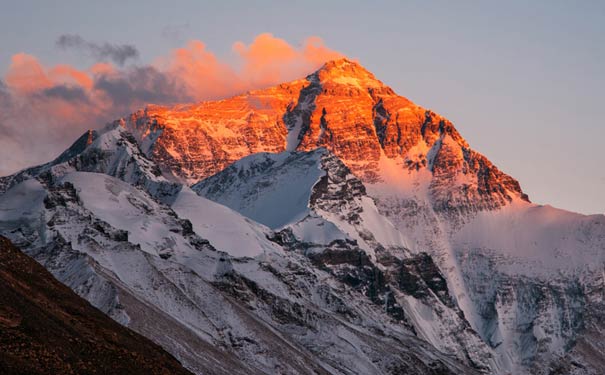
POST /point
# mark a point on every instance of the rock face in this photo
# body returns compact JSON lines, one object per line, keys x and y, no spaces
{"x":341,"y":107}
{"x":330,"y":226}
{"x":199,"y":140}
{"x":45,"y":328}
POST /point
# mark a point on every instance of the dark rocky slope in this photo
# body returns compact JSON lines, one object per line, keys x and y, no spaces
{"x":45,"y":328}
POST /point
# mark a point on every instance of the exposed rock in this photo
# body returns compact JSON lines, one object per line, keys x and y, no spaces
{"x":342,"y":107}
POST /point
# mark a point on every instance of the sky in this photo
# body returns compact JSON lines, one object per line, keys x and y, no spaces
{"x":522,"y":81}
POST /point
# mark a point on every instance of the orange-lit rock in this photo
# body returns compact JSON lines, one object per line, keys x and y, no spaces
{"x":342,"y":107}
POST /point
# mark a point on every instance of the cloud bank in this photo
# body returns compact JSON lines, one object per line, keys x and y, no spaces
{"x":44,"y":108}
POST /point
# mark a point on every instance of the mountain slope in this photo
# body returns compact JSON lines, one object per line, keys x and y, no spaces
{"x":134,"y":258}
{"x":338,"y":226}
{"x":45,"y":328}
{"x":424,"y":179}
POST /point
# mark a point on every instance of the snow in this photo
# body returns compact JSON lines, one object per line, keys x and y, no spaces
{"x":275,"y":196}
{"x":382,"y":229}
{"x":124,"y":207}
{"x":370,"y":222}
{"x":399,"y":180}
{"x":292,"y":139}
{"x":317,"y":230}
{"x":23,"y":201}
{"x":536,"y":240}
{"x":275,"y":190}
{"x":294,"y":131}
{"x":498,"y":258}
{"x":226,"y":229}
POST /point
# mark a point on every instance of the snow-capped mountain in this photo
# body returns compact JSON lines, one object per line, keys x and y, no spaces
{"x":151,"y":262}
{"x":323,"y":225}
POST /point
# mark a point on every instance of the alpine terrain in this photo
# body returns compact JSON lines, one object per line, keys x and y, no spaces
{"x":322,"y":226}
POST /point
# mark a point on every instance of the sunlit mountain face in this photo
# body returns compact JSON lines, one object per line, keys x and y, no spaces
{"x":322,"y":225}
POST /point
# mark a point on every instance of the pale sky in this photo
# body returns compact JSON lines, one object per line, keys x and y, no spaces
{"x":522,"y":81}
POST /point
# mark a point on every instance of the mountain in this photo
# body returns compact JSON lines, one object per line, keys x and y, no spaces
{"x":101,"y":225}
{"x":323,"y":225}
{"x":47,"y":329}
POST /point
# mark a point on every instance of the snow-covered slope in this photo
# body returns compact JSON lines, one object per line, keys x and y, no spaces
{"x":223,"y":227}
{"x":526,"y":276}
{"x":546,"y":241}
{"x":275,"y":314}
{"x":257,"y":183}
{"x":113,"y":151}
{"x":535,"y":274}
{"x":311,"y":193}
{"x":260,"y":309}
{"x":325,"y":213}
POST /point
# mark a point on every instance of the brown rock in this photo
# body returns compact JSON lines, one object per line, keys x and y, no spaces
{"x":45,"y":328}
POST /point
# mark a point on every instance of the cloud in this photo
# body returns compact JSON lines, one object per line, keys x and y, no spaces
{"x":116,"y":53}
{"x":266,"y":61}
{"x":26,"y":74}
{"x":44,"y":108}
{"x":67,"y":93}
{"x":141,"y":85}
{"x":175,"y":33}
{"x":269,"y":60}
{"x":203,"y":75}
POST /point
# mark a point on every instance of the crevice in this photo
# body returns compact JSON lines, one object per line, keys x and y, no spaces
{"x":298,"y":118}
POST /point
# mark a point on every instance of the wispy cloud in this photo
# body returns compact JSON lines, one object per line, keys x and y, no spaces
{"x":176,"y":33}
{"x":141,"y":85}
{"x":119,"y":54}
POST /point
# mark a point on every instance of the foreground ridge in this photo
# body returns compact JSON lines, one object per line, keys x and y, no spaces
{"x":45,"y":328}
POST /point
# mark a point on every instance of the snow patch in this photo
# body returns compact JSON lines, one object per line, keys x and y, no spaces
{"x":224,"y":228}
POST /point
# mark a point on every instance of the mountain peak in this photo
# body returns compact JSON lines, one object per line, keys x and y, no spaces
{"x":346,"y":72}
{"x":343,"y":64}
